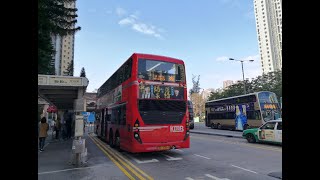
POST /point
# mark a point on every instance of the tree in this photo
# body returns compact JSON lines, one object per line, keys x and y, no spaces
{"x":54,"y":18}
{"x":271,"y":81}
{"x":196,"y":85}
{"x":69,"y":70}
{"x":83,"y":72}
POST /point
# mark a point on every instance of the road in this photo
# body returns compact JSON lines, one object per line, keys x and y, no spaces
{"x":211,"y":157}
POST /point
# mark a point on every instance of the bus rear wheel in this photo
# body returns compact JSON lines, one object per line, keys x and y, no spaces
{"x":246,"y":126}
{"x":219,"y":126}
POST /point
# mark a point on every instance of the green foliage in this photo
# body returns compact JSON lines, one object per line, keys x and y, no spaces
{"x":69,"y":70}
{"x":267,"y":82}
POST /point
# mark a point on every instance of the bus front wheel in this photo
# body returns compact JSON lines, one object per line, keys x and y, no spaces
{"x":212,"y":126}
{"x":219,"y":126}
{"x":246,"y":126}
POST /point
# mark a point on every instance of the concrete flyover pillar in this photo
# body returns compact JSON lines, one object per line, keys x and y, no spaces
{"x":79,"y":150}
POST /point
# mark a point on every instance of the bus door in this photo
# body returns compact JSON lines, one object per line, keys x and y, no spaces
{"x":107,"y":124}
{"x":124,"y":134}
{"x":266,"y":132}
{"x":103,"y":124}
{"x":98,"y":125}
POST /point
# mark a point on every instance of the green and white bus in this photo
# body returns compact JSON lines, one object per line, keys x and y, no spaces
{"x":242,"y":112}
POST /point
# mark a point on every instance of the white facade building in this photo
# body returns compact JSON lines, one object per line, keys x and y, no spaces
{"x":268,"y":15}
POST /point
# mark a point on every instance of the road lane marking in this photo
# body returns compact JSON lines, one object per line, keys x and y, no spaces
{"x":179,"y":150}
{"x":113,"y":160}
{"x":145,"y":161}
{"x":189,"y":178}
{"x":71,"y":169}
{"x":201,"y":156}
{"x":216,"y":178}
{"x":171,"y":158}
{"x":128,"y":162}
{"x":120,"y":157}
{"x":126,"y":165}
{"x":241,"y":143}
{"x":244,"y":169}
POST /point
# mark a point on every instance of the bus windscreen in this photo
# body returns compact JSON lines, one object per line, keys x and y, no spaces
{"x":269,"y":106}
{"x":154,"y":70}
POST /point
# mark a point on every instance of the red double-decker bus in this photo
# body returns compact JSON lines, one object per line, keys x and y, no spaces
{"x":142,"y":107}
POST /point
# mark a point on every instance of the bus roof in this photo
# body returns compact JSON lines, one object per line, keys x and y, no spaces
{"x":157,"y":57}
{"x":237,"y":96}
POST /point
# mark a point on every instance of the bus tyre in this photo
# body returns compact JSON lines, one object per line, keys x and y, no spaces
{"x":246,"y":126}
{"x":219,"y":126}
{"x":212,"y":126}
{"x":111,"y":140}
{"x":250,"y":138}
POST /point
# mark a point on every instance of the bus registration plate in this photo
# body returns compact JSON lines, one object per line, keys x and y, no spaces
{"x":164,"y":147}
{"x":176,"y":129}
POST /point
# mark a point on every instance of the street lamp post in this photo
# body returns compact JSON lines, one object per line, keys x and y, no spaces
{"x":244,"y":83}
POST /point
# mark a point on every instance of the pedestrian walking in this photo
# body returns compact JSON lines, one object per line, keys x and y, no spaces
{"x":43,"y":133}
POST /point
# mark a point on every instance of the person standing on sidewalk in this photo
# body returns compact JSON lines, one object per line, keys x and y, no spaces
{"x":44,"y":127}
{"x":58,"y":127}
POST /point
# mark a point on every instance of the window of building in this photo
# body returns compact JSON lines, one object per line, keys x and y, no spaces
{"x":64,"y":55}
{"x":269,"y":61}
{"x":68,"y":57}
{"x":270,"y":69}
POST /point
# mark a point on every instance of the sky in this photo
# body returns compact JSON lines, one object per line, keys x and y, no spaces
{"x":203,"y":33}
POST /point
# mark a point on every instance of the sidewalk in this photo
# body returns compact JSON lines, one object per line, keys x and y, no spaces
{"x":200,"y":128}
{"x":55,"y":162}
{"x":217,"y":133}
